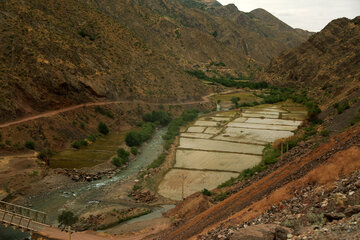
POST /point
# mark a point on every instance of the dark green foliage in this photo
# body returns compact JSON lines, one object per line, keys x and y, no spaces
{"x":206,"y":192}
{"x":230,"y":81}
{"x":79,"y":144}
{"x":122,"y":153}
{"x":147,"y":129}
{"x":119,"y":161}
{"x":227,"y":183}
{"x":271,"y":155}
{"x":341,"y":107}
{"x":134,"y":150}
{"x":222,"y":196}
{"x":158,"y":116}
{"x":235,"y":101}
{"x":67,"y":218}
{"x":103,"y":128}
{"x":158,"y":161}
{"x":82,"y":125}
{"x":30,"y":144}
{"x":174,"y":126}
{"x":92,"y":137}
{"x":215,"y":34}
{"x":104,"y":111}
{"x":45,"y":155}
{"x":133,"y":138}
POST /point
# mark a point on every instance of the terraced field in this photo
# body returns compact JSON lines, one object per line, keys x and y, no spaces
{"x":220,"y":146}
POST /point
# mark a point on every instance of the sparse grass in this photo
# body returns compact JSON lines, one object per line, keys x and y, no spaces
{"x":158,"y":161}
{"x":315,"y":219}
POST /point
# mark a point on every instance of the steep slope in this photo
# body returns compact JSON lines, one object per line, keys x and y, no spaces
{"x":327,"y":65}
{"x":60,"y":54}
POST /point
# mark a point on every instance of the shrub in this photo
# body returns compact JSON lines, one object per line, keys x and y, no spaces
{"x":271,"y":155}
{"x":104,"y":112}
{"x":103,"y":128}
{"x":92,"y":137}
{"x":206,"y":192}
{"x":30,"y":144}
{"x":158,"y":161}
{"x":78,"y":144}
{"x":134,"y":150}
{"x":67,"y":218}
{"x":158,"y":116}
{"x":133,"y":138}
{"x":122,"y":153}
{"x":146,"y":132}
{"x":222,"y":196}
{"x":119,"y":161}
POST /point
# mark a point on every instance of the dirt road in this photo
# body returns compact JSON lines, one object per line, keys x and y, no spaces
{"x":205,"y":99}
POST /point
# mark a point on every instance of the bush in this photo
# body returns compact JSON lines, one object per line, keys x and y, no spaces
{"x":67,"y":218}
{"x":104,"y":112}
{"x":158,"y":161}
{"x":147,"y":129}
{"x":206,"y":192}
{"x":134,"y":150}
{"x":78,"y":144}
{"x":133,"y":138}
{"x":271,"y":155}
{"x":158,"y":116}
{"x":103,"y":128}
{"x":30,"y":144}
{"x":122,"y":153}
{"x":118,"y":161}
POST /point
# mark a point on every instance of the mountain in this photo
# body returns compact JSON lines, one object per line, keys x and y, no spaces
{"x":59,"y":54}
{"x":326,"y":66}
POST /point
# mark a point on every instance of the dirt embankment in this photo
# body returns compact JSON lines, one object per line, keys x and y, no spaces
{"x":340,"y":155}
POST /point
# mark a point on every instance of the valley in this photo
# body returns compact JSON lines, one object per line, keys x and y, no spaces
{"x":178,"y":119}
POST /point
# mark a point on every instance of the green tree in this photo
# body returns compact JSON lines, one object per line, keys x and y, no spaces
{"x":134,"y":150}
{"x":103,"y":128}
{"x":122,"y":153}
{"x":67,"y":219}
{"x":235,"y":101}
{"x":133,"y":138}
{"x":30,"y":144}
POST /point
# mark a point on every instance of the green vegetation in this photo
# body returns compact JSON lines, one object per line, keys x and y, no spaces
{"x":235,"y":101}
{"x":355,"y":120}
{"x":104,"y":111}
{"x":30,"y":145}
{"x":136,"y":138}
{"x":134,"y":150}
{"x":206,"y":192}
{"x":316,"y":219}
{"x":45,"y":155}
{"x":67,"y":218}
{"x":160,"y":117}
{"x":158,"y":161}
{"x":79,"y":144}
{"x":103,"y":128}
{"x":221,"y":196}
{"x":124,"y":219}
{"x":174,"y":126}
{"x":122,"y":158}
{"x":229,"y":81}
{"x":341,"y":107}
{"x":133,"y":138}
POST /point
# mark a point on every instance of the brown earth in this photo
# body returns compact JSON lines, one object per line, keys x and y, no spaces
{"x":339,"y":156}
{"x":121,"y":50}
{"x":326,"y":66}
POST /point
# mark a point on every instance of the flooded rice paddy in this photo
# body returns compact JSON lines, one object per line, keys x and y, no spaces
{"x":220,"y":146}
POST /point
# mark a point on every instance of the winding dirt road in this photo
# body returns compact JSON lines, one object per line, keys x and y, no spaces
{"x":205,"y":99}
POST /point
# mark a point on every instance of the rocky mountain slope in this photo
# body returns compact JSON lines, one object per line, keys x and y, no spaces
{"x":327,"y":65}
{"x":56,"y":54}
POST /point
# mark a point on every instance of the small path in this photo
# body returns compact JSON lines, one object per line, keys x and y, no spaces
{"x":205,"y":99}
